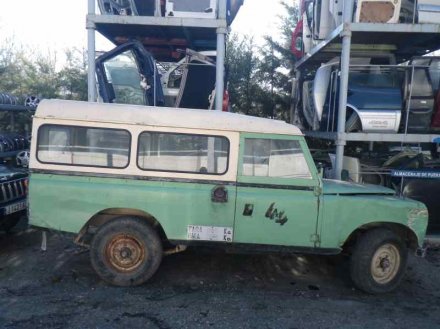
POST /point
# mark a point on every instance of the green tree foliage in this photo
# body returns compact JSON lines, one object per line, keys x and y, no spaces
{"x":242,"y":64}
{"x":259,"y":76}
{"x":73,"y":76}
{"x":24,"y":73}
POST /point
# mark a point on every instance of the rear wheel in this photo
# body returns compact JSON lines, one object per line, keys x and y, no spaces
{"x":126,"y":251}
{"x":378,"y":261}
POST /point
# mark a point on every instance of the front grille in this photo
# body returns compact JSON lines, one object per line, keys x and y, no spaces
{"x":12,"y":190}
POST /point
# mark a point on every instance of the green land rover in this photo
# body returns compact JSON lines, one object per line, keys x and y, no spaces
{"x":135,"y":183}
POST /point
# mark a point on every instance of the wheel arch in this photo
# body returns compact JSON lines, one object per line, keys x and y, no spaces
{"x":406,"y":234}
{"x":354,"y":108}
{"x":86,"y":233}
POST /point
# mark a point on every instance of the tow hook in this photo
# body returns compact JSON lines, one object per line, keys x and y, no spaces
{"x":421,"y":252}
{"x":176,"y":250}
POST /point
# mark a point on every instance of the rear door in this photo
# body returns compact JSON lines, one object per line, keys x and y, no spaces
{"x":277,"y":202}
{"x":198,"y":203}
{"x":198,"y":82}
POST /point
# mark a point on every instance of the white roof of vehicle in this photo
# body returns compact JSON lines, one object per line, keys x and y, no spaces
{"x":161,"y":117}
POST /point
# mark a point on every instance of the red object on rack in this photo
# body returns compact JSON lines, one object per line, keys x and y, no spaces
{"x":297,"y":46}
{"x":297,"y":41}
{"x":436,"y":117}
{"x":225,"y":101}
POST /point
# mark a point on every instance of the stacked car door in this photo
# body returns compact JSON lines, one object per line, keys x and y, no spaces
{"x":419,"y":107}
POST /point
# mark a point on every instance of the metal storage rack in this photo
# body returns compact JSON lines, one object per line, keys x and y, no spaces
{"x":14,"y":108}
{"x":198,"y":33}
{"x":402,"y":40}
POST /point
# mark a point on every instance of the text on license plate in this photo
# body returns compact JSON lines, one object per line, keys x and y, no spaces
{"x":15,"y":207}
{"x":209,"y":233}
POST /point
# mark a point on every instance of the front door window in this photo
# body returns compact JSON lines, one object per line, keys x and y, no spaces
{"x":274,"y":158}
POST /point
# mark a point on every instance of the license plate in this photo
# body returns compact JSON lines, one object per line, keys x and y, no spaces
{"x":15,"y":207}
{"x":209,"y":233}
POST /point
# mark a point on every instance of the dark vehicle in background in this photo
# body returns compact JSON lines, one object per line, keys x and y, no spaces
{"x":417,"y":176}
{"x":374,"y":101}
{"x":412,"y":172}
{"x":432,"y":64}
{"x":13,"y":195}
{"x":15,"y":132}
{"x":381,"y":98}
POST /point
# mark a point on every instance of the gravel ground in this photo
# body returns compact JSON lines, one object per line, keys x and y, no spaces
{"x":200,"y":289}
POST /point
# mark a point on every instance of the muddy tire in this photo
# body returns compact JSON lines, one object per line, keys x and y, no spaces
{"x":378,"y":261}
{"x":126,"y":251}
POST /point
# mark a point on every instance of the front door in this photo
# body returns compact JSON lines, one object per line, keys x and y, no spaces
{"x":277,"y":185}
{"x":128,"y":74}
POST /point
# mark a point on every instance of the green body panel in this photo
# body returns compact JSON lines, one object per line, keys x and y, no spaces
{"x":285,"y":211}
{"x":66,"y":203}
{"x":286,"y":215}
{"x":341,"y":187}
{"x":279,"y":217}
{"x":343,"y":214}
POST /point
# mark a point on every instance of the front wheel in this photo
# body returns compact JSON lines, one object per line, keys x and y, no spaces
{"x":126,"y":251}
{"x":378,"y":261}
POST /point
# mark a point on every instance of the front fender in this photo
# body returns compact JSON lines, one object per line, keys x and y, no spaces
{"x":345,"y":214}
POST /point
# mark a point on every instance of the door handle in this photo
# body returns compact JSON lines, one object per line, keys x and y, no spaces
{"x":219,"y":194}
{"x":248,"y":209}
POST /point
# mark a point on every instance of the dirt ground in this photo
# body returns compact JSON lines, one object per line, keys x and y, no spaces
{"x":200,"y":289}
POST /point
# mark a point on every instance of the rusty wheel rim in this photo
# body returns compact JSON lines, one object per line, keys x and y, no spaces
{"x":125,"y":253}
{"x":385,"y":264}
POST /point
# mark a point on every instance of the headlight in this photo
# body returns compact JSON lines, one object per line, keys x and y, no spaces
{"x":418,"y":213}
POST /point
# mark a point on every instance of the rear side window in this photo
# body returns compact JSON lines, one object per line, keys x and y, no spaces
{"x":373,"y":79}
{"x":83,"y":146}
{"x":183,"y":153}
{"x":274,"y":158}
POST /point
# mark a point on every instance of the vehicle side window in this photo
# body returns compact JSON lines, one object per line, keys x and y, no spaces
{"x":183,"y":153}
{"x":274,"y":158}
{"x":83,"y":146}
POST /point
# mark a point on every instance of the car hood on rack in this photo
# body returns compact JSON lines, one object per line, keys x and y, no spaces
{"x":340,"y":187}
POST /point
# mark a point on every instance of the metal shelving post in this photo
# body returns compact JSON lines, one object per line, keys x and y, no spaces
{"x":221,"y":56}
{"x":91,"y":53}
{"x":345,"y":68}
